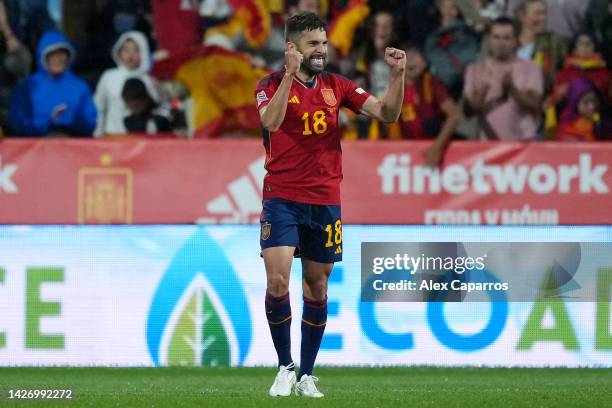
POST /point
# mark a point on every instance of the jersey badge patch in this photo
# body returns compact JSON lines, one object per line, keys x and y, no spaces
{"x":266,"y":229}
{"x":328,"y":96}
{"x":261,"y":97}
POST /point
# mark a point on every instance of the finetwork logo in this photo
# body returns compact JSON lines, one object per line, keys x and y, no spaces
{"x":399,"y":176}
{"x":199,"y":314}
{"x":242,"y":203}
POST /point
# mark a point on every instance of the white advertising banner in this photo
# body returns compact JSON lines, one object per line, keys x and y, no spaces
{"x":194,"y":295}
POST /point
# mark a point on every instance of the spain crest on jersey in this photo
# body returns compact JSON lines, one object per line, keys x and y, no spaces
{"x":328,"y":96}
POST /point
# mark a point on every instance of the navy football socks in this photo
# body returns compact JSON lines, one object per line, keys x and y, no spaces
{"x":314,"y":319}
{"x":278,"y":312}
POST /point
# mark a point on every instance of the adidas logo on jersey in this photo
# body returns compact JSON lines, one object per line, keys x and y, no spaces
{"x":294,"y":99}
{"x":338,"y":250}
{"x":242,"y":202}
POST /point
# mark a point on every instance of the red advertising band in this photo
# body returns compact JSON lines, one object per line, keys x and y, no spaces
{"x":170,"y":181}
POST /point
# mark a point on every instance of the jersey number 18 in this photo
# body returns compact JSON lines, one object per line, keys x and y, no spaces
{"x":318,"y":124}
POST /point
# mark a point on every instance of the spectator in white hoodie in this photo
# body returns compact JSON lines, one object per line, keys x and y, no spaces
{"x":131,"y":53}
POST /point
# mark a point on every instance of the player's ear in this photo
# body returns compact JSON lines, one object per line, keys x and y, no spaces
{"x":291,"y":45}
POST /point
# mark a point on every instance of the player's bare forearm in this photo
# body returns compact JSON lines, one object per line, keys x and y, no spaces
{"x":388,"y":108}
{"x":392,"y":101}
{"x":273,"y":114}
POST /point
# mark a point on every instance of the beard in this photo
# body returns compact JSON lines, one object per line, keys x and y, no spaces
{"x":311,"y":69}
{"x":502,"y":55}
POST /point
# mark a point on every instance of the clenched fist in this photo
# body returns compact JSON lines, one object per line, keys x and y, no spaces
{"x":293,"y":59}
{"x":395,"y":58}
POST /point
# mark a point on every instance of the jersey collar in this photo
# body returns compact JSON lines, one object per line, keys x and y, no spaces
{"x":310,"y":85}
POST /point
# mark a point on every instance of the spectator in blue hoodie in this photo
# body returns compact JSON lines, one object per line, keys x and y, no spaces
{"x":53,"y":101}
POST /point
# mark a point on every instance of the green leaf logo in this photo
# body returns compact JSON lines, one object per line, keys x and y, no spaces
{"x":199,"y":333}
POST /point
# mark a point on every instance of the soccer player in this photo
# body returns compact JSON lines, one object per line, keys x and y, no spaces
{"x":298,"y":108}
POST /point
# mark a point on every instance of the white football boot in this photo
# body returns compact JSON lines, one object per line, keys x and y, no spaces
{"x":306,"y":387}
{"x":284,"y":381}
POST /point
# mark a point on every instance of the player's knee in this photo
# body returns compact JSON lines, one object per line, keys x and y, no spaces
{"x":278,"y":285}
{"x":320,"y":294}
{"x":316,"y":289}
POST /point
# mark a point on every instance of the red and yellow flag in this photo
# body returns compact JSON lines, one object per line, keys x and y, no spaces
{"x":342,"y":28}
{"x":255,"y":20}
{"x":221,"y":83}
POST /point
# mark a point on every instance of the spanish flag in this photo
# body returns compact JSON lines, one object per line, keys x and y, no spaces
{"x":255,"y":20}
{"x":342,"y":28}
{"x":221,"y":83}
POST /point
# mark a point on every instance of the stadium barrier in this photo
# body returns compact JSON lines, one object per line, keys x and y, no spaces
{"x":193,"y":295}
{"x":167,"y":181}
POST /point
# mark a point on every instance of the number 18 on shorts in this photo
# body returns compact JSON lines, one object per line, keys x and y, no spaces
{"x":315,"y":230}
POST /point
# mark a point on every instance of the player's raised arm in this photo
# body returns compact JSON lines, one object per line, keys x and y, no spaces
{"x":388,"y":108}
{"x":273,"y":114}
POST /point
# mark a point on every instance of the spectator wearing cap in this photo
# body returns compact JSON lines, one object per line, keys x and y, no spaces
{"x":52,"y":100}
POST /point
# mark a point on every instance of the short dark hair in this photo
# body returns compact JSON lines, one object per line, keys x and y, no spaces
{"x":305,"y":21}
{"x":504,"y":21}
{"x":135,"y":89}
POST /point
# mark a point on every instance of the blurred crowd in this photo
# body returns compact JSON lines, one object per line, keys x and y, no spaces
{"x":476,"y":69}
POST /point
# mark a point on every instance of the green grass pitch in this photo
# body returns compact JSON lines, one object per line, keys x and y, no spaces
{"x":351,"y":387}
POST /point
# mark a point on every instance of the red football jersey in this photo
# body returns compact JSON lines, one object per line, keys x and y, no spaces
{"x":303,"y":157}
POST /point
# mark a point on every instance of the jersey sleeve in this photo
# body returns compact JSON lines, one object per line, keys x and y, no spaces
{"x":353,"y":97}
{"x":264,"y":91}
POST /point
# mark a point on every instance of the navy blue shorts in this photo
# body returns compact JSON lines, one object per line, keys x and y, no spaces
{"x":314,"y":230}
